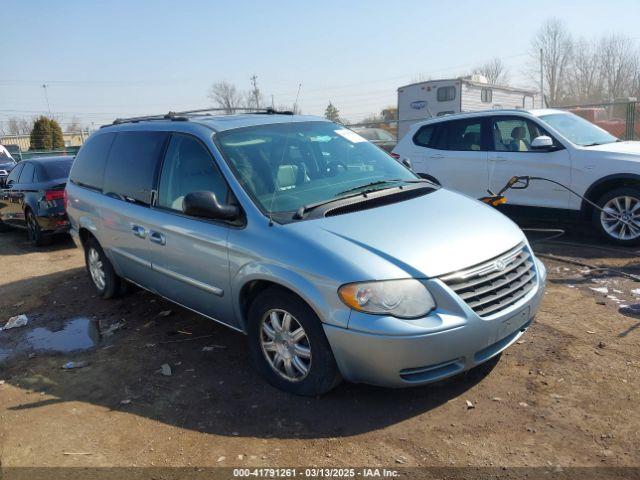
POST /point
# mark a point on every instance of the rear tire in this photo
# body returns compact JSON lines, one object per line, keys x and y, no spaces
{"x":292,"y":354}
{"x":34,"y":232}
{"x":622,"y":203}
{"x":104,"y":278}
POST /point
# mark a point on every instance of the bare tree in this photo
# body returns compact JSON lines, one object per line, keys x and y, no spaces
{"x":226,"y":96}
{"x":555,"y":41}
{"x":254,"y":98}
{"x":584,"y":78}
{"x":18,"y":126}
{"x":74,"y":125}
{"x":495,"y":71}
{"x":620,"y":62}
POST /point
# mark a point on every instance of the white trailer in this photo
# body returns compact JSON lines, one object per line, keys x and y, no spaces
{"x":423,"y":100}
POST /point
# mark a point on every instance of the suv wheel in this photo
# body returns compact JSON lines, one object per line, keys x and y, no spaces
{"x":288,"y":345}
{"x":620,"y":220}
{"x":34,"y":232}
{"x":100,"y":270}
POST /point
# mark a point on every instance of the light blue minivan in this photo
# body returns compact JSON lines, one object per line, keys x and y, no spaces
{"x":333,"y":258}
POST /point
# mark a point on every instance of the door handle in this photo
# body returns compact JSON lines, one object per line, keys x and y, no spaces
{"x":436,"y":155}
{"x":139,"y":231}
{"x":157,"y":237}
{"x":498,"y":159}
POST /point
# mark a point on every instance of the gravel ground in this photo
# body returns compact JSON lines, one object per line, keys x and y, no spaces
{"x":565,"y":395}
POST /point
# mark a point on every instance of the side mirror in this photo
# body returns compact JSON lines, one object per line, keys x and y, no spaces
{"x":542,"y":142}
{"x":407,"y":163}
{"x":206,"y":205}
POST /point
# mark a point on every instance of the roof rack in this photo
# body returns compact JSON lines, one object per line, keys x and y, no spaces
{"x":183,"y":116}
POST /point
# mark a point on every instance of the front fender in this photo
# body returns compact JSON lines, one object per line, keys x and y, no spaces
{"x":320,"y":294}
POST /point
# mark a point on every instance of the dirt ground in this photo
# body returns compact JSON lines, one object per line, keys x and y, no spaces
{"x":565,"y":395}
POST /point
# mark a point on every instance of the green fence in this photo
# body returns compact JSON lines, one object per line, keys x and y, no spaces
{"x":620,"y":118}
{"x":45,"y":153}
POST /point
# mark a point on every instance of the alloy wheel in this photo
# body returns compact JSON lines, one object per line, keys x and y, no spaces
{"x":620,"y":217}
{"x":96,"y":268}
{"x":31,"y":227}
{"x":285,"y":345}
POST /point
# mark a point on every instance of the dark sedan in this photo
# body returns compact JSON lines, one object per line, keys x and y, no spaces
{"x":378,"y":136}
{"x":6,"y":165}
{"x":33,"y":198}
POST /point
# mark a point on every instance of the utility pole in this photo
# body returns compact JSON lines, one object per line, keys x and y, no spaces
{"x":256,"y":92}
{"x":541,"y":82}
{"x":272,"y":104}
{"x":46,"y":97}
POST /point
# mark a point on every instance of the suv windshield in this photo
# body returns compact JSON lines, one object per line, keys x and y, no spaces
{"x":578,"y":130}
{"x":286,"y":166}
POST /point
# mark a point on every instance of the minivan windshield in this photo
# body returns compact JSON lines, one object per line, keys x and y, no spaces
{"x":578,"y":130}
{"x":287,"y":166}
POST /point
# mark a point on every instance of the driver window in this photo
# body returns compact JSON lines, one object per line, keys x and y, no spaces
{"x":188,"y":167}
{"x":514,"y":134}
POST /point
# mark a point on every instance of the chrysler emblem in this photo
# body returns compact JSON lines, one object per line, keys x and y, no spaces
{"x":499,"y":265}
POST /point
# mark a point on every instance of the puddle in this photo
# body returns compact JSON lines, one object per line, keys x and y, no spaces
{"x":75,"y":334}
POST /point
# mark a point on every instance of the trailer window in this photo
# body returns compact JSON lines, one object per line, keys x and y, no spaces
{"x":486,"y":95}
{"x":446,"y":94}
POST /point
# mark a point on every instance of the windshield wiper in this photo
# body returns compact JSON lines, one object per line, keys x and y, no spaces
{"x":307,"y":208}
{"x":300,"y":213}
{"x":371,"y":184}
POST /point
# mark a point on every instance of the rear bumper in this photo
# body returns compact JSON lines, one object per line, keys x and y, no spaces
{"x":407,"y":360}
{"x":54,"y":223}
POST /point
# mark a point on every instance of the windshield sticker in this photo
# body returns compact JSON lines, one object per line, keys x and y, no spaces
{"x":353,"y":137}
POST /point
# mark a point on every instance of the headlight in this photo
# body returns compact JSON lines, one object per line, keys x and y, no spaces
{"x":400,"y":298}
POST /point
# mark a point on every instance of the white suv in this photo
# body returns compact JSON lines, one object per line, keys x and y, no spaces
{"x":474,"y":152}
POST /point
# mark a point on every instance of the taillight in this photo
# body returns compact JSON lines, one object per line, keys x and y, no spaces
{"x":395,"y":155}
{"x":50,"y":195}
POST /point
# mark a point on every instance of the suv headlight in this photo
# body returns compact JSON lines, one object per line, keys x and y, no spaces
{"x":406,"y":298}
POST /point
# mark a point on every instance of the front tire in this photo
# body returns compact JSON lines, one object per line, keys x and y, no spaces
{"x":619,"y":204}
{"x":288,"y":345}
{"x":104,"y":278}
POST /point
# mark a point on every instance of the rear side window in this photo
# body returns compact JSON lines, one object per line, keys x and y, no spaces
{"x":446,"y":94}
{"x":15,"y":173}
{"x":423,"y":137}
{"x":27,"y":173}
{"x":132,"y":164}
{"x":459,"y":135}
{"x":88,"y":168}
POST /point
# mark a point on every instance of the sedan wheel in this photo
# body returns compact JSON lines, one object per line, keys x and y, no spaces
{"x":34,"y":232}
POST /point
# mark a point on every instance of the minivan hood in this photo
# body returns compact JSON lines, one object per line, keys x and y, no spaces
{"x":428,"y":236}
{"x":617,"y":147}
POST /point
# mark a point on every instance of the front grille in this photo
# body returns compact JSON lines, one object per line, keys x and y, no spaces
{"x":496,"y":284}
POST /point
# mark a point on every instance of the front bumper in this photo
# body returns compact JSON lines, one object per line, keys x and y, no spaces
{"x":445,"y":343}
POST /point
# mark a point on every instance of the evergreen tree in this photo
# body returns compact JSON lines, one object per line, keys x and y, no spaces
{"x":332,"y":113}
{"x":46,"y":134}
{"x":57,"y":137}
{"x":41,"y":134}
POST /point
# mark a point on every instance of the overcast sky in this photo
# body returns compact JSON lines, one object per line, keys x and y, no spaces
{"x":101,"y":60}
